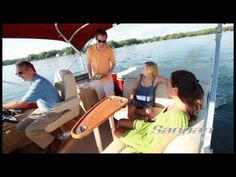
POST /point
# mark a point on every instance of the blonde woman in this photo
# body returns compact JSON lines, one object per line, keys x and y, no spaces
{"x":142,"y":97}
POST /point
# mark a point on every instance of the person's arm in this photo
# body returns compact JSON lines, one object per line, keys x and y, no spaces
{"x":90,"y":70}
{"x":160,"y":79}
{"x":113,"y":63}
{"x":165,"y":140}
{"x":15,"y":105}
{"x":89,"y":63}
{"x":33,"y":94}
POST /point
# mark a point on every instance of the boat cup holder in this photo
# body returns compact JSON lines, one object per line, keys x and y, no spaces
{"x":119,"y":100}
{"x":81,"y":129}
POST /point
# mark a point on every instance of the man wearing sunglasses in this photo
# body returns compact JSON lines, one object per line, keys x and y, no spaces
{"x":101,"y":62}
{"x":45,"y":95}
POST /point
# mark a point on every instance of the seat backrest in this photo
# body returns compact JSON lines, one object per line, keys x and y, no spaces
{"x":184,"y":143}
{"x":65,"y":84}
{"x":192,"y":142}
{"x":161,"y":94}
{"x":88,"y":96}
{"x":128,"y":87}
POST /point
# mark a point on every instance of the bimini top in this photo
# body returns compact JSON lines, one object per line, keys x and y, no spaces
{"x":77,"y":34}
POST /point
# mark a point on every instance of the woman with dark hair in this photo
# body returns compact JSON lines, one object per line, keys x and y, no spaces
{"x":143,"y":136}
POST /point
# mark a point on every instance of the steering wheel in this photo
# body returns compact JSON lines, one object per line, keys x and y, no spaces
{"x":7,"y":116}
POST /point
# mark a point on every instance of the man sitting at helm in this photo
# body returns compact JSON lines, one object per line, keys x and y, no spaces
{"x":46,"y":96}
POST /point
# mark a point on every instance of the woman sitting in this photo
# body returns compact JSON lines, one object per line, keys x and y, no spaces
{"x":142,"y":98}
{"x":143,"y":136}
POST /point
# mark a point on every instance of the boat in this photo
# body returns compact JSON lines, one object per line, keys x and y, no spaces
{"x":85,"y":99}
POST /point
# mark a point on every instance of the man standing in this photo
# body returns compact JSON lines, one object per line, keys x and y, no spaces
{"x":46,"y":96}
{"x":101,"y":62}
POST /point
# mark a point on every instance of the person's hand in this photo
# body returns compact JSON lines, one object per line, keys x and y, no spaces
{"x":4,"y":110}
{"x":130,"y":101}
{"x":131,"y":97}
{"x":3,"y":107}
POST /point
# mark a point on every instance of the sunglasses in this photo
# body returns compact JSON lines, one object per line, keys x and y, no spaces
{"x":19,"y":73}
{"x":100,"y":41}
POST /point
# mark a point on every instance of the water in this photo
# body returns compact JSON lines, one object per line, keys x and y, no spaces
{"x":197,"y":51}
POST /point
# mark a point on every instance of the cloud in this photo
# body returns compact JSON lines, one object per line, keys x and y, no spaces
{"x":142,"y":31}
{"x":19,"y":48}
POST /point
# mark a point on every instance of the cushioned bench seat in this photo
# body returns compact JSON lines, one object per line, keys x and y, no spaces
{"x":184,"y":143}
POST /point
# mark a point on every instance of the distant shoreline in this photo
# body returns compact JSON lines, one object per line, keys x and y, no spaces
{"x":114,"y":44}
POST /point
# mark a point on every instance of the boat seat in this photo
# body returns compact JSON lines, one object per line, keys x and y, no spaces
{"x":181,"y":144}
{"x":184,"y":143}
{"x":189,"y":142}
{"x":161,"y":101}
{"x":161,"y":94}
{"x":88,"y":95}
{"x":192,"y":142}
{"x":161,"y":98}
{"x":68,"y":108}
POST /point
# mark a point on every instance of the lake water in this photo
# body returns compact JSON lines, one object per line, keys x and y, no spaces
{"x":197,"y":51}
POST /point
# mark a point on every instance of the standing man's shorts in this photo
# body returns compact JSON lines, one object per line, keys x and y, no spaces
{"x":103,"y":88}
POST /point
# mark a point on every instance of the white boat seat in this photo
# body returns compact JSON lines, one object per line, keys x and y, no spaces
{"x":161,"y":94}
{"x":191,"y":143}
{"x":161,"y":101}
{"x":88,"y":95}
{"x":186,"y":143}
{"x":161,"y":98}
{"x":118,"y":146}
{"x":69,"y":107}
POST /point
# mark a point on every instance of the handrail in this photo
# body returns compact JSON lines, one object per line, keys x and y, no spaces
{"x":68,"y":41}
{"x":212,"y":95}
{"x":72,"y":36}
{"x":72,"y":62}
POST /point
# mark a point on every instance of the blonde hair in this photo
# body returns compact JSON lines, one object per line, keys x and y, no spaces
{"x":151,"y":68}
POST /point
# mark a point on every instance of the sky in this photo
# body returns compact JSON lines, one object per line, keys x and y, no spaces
{"x":19,"y":48}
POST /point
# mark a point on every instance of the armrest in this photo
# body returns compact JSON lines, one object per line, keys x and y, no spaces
{"x":96,"y":115}
{"x":65,"y":105}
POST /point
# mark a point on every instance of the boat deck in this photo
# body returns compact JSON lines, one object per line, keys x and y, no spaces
{"x":70,"y":145}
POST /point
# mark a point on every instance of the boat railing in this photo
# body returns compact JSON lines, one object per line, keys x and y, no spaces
{"x":69,"y":42}
{"x":212,"y":96}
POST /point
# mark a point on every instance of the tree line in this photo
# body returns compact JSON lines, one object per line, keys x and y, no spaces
{"x":167,"y":37}
{"x":114,"y":44}
{"x":41,"y":56}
